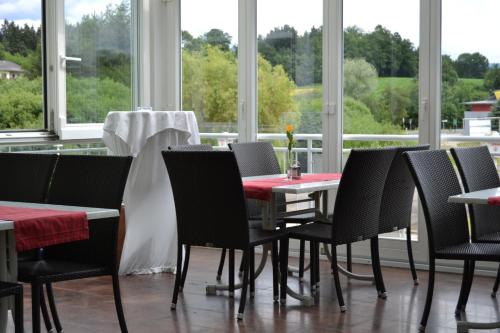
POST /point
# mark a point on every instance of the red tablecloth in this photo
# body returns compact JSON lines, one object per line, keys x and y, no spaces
{"x":36,"y":228}
{"x":494,"y":201}
{"x":261,"y":189}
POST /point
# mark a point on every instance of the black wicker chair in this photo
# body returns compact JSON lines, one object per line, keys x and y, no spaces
{"x":478,"y":172}
{"x":259,"y":159}
{"x":356,"y":213}
{"x":26,"y":178}
{"x":447,"y":226}
{"x":87,"y":181}
{"x":197,"y":147}
{"x":397,"y":201}
{"x":13,"y":289}
{"x":211,"y":182}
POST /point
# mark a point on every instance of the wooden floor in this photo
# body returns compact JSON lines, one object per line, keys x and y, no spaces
{"x":87,"y":305}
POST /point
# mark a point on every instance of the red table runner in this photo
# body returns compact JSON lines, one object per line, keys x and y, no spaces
{"x":261,"y":189}
{"x":36,"y":228}
{"x":494,"y":201}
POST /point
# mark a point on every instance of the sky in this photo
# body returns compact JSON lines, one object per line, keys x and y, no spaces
{"x":468,"y":25}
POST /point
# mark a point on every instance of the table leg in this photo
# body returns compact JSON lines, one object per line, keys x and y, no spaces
{"x":213,"y":288}
{"x":342,"y":270}
{"x":465,"y":326}
{"x":4,"y":277}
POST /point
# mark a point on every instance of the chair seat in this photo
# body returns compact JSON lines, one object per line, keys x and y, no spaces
{"x":489,"y":238}
{"x":318,"y":232}
{"x":57,"y":270}
{"x":472,"y":251}
{"x":260,"y":236}
{"x":9,"y":289}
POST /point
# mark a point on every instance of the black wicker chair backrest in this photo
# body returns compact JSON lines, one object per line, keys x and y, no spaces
{"x":478,"y":172}
{"x":200,"y":147}
{"x":25,"y":177}
{"x":436,"y":180}
{"x":209,"y":199}
{"x":357,"y":206}
{"x":257,"y":159}
{"x":89,"y":181}
{"x":397,"y":199}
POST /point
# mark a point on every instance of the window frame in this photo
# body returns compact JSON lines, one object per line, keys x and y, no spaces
{"x":56,"y":87}
{"x":8,"y":135}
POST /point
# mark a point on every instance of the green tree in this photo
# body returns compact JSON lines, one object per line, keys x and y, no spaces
{"x":472,"y":65}
{"x":449,"y":73}
{"x":219,"y":38}
{"x":492,"y":78}
{"x":360,"y":78}
{"x":276,"y":105}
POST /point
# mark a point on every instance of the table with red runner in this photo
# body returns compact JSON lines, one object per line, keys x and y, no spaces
{"x":494,"y":201}
{"x":261,"y":189}
{"x":36,"y":228}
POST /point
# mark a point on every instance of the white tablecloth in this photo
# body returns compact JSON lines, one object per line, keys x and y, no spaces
{"x":151,"y":238}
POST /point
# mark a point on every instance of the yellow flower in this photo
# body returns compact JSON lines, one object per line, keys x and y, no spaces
{"x":289,"y":128}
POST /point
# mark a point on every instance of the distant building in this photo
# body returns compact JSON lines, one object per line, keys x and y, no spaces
{"x":477,"y":121}
{"x":9,"y":70}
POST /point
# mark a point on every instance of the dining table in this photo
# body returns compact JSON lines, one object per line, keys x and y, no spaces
{"x":8,"y":247}
{"x":483,"y":197}
{"x":267,"y":189}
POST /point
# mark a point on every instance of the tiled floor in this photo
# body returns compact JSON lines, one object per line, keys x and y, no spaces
{"x":87,"y":305}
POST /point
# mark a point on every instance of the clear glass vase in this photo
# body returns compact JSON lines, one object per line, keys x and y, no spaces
{"x":293,"y":166}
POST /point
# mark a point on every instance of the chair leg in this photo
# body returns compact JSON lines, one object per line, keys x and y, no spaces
{"x":251,"y":261}
{"x":472,"y":265}
{"x":465,"y":276}
{"x":312,"y":266}
{"x":185,"y":267}
{"x":336,"y":278}
{"x":243,"y":264}
{"x":231,"y":273}
{"x":349,"y":257}
{"x":244,"y":287}
{"x":221,"y":264}
{"x":275,"y":271}
{"x":316,"y":248}
{"x":283,"y":269}
{"x":18,"y":312}
{"x":53,"y":308}
{"x":35,"y":306}
{"x":301,"y":260}
{"x":377,"y":270}
{"x":118,"y":303}
{"x":497,"y":282}
{"x":45,"y":312}
{"x":177,"y":276}
{"x":410,"y":256}
{"x":430,"y":291}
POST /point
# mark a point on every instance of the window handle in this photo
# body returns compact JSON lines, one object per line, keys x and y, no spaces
{"x":64,"y":59}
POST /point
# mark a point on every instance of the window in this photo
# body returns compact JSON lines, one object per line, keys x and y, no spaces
{"x":289,"y":76}
{"x":21,"y":70}
{"x":470,"y":74}
{"x":210,"y":66}
{"x":99,"y":59}
{"x":381,"y":76}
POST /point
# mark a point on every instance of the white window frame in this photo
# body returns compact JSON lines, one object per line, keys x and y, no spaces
{"x":56,"y":80}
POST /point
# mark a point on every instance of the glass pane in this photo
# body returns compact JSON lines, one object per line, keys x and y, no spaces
{"x":290,"y":88}
{"x":99,"y":78}
{"x":21,"y":82}
{"x":381,"y":75}
{"x":210,"y":67}
{"x":470,"y":74}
